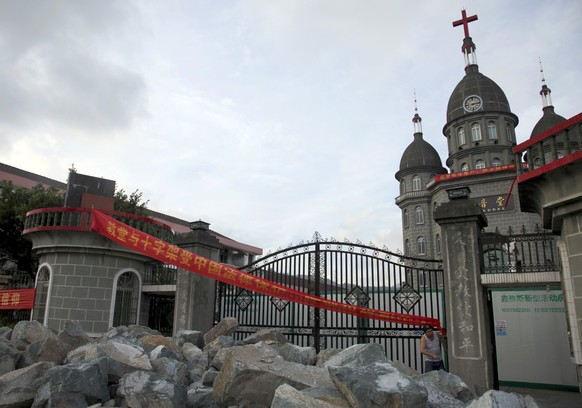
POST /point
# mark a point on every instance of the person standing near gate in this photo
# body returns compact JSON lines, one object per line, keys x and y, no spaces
{"x":431,"y":343}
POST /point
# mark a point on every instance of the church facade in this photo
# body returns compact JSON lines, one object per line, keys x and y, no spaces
{"x":480,"y":132}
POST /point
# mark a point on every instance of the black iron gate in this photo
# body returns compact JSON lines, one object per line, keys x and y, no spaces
{"x":345,"y":272}
{"x":161,"y":313}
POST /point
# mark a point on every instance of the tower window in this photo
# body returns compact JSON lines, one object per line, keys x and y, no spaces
{"x":416,"y":183}
{"x":461,"y":136}
{"x":420,"y":246}
{"x":510,"y":135}
{"x":464,"y":167}
{"x":419,"y":215}
{"x":480,"y":164}
{"x":402,"y":187}
{"x":405,"y":217}
{"x":406,"y":247}
{"x":491,"y":130}
{"x":476,"y":132}
{"x":496,"y":162}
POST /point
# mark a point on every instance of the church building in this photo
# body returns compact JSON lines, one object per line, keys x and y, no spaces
{"x":480,"y":132}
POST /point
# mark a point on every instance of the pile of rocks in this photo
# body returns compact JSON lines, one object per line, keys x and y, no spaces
{"x":138,"y":367}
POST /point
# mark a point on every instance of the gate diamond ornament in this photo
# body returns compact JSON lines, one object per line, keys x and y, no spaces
{"x":357,"y":297}
{"x":243,"y":299}
{"x":280,"y":304}
{"x":407,"y":297}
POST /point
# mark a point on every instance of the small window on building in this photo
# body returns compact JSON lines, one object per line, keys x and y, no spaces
{"x":476,"y":132}
{"x":402,"y":187}
{"x":41,"y":297}
{"x":510,"y":134}
{"x":419,"y":215}
{"x":420,"y":246}
{"x":406,"y":247}
{"x":491,"y":130}
{"x":405,"y":218}
{"x":496,"y":162}
{"x":126,"y":298}
{"x":464,"y":167}
{"x":461,"y":136}
{"x":416,"y":183}
{"x":480,"y":164}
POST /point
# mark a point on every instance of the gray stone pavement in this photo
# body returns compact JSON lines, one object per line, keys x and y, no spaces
{"x":549,"y":398}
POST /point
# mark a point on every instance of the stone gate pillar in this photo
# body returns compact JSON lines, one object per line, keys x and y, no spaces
{"x":196,"y":294}
{"x":470,"y":352}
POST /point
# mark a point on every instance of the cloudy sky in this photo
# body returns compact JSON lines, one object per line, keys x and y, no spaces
{"x":268,"y":119}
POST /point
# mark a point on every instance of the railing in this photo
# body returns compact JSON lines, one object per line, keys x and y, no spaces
{"x":79,"y":219}
{"x":522,"y":252}
{"x":160,"y":274}
{"x":551,"y":149}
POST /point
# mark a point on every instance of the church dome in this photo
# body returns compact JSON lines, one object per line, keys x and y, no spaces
{"x":421,"y":155}
{"x":476,"y":84}
{"x":547,"y":121}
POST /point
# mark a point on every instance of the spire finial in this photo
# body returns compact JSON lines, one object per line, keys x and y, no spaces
{"x":416,"y":119}
{"x":468,"y":48}
{"x":545,"y":92}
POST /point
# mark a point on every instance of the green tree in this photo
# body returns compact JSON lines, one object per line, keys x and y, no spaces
{"x":132,"y":203}
{"x":15,"y":202}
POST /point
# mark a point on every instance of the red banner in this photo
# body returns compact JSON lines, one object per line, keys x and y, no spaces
{"x":17,"y":299}
{"x":162,"y":251}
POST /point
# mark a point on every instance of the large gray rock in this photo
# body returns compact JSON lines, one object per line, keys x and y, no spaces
{"x":357,"y":355}
{"x":148,"y":390}
{"x":121,"y":358}
{"x":502,"y":399}
{"x":251,"y":374}
{"x":449,"y":383}
{"x":217,"y":344}
{"x":151,"y":342}
{"x":288,"y":397}
{"x":200,"y":397}
{"x":27,"y":332}
{"x":73,"y":335}
{"x":295,"y":354}
{"x":437,"y":398}
{"x":172,"y":370}
{"x":88,"y":379}
{"x":226,"y":327}
{"x":18,"y":388}
{"x":9,"y":357}
{"x":272,"y":335}
{"x":48,"y":348}
{"x":188,"y":336}
{"x":378,"y":385}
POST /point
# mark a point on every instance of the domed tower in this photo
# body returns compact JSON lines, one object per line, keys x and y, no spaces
{"x":480,"y":128}
{"x":549,"y":119}
{"x":419,"y":164}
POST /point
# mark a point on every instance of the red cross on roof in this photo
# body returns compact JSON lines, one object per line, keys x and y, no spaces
{"x":464,"y":21}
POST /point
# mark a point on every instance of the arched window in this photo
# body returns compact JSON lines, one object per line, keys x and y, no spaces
{"x":510,"y":135}
{"x":476,"y":132}
{"x":416,"y":183}
{"x":480,"y":164}
{"x":405,"y":218}
{"x":125,"y":302}
{"x":402,"y":187}
{"x":464,"y":167}
{"x":496,"y":162}
{"x":42,"y":296}
{"x":438,"y":243}
{"x":406,"y":247}
{"x":420,"y":246}
{"x":491,"y":130}
{"x":419,"y":215}
{"x":461,"y":136}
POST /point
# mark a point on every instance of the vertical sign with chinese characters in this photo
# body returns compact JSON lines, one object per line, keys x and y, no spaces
{"x":465,"y":317}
